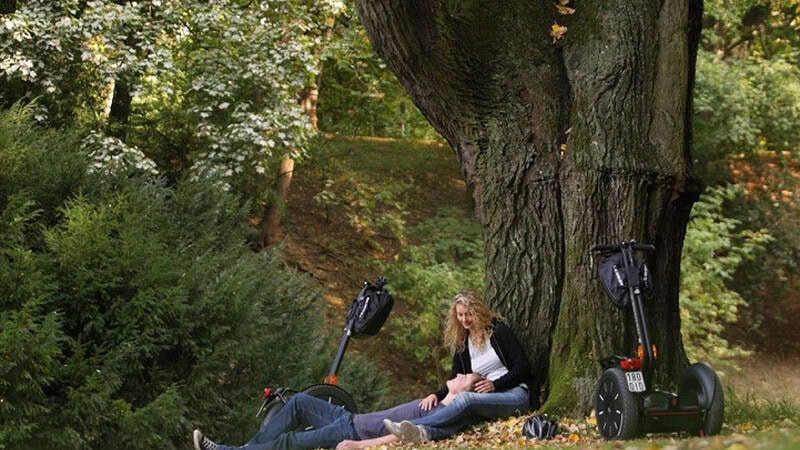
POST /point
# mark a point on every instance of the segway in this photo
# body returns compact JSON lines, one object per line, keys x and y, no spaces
{"x":626,"y":401}
{"x":365,"y":317}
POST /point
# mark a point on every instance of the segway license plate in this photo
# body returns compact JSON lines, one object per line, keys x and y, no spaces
{"x":635,"y":381}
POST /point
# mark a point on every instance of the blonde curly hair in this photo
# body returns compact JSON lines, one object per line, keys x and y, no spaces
{"x":454,"y":333}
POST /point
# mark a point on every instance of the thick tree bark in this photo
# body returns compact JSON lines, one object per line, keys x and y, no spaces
{"x":564,"y":145}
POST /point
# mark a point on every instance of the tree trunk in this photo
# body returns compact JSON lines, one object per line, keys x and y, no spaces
{"x":564,"y":145}
{"x":309,"y":97}
{"x":8,"y":7}
{"x":270,"y":225}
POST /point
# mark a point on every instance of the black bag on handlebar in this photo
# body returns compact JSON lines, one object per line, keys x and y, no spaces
{"x":370,"y":309}
{"x":615,"y":279}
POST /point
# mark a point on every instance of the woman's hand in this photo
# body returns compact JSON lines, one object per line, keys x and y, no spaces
{"x":429,"y":402}
{"x":484,"y":386}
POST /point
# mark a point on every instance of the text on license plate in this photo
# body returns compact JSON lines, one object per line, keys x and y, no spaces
{"x":635,"y":381}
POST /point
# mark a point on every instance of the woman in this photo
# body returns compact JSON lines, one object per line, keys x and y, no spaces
{"x":484,"y":345}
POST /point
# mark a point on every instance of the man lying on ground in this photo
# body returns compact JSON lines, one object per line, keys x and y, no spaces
{"x":332,"y":424}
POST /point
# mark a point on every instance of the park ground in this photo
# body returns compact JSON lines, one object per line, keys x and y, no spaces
{"x":763,"y":394}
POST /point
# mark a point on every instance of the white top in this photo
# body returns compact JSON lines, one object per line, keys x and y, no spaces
{"x":486,"y":362}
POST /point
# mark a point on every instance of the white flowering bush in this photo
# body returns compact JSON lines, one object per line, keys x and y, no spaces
{"x":208,"y":87}
{"x":109,"y":154}
{"x":246,"y":73}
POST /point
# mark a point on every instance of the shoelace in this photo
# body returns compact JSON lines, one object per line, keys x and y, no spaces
{"x":208,"y":444}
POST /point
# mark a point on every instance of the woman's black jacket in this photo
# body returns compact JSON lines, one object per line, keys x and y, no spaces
{"x":511,"y":354}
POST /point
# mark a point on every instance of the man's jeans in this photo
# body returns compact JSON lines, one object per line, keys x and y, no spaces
{"x":332,"y":424}
{"x":470,"y":408}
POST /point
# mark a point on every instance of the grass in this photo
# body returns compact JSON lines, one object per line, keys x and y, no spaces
{"x":748,"y":408}
{"x":370,"y":155}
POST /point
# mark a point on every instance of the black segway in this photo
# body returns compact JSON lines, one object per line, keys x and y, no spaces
{"x":626,"y":401}
{"x":366,"y":316}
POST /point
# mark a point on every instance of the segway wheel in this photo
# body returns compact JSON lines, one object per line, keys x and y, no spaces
{"x":716,"y":411}
{"x":328,"y":392}
{"x":617,"y":407}
{"x":333,"y":395}
{"x":272,"y":410}
{"x":701,"y":386}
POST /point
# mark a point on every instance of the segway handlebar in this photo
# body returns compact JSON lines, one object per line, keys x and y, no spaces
{"x":618,"y":247}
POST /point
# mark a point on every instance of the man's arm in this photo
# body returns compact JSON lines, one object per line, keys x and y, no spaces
{"x":388,"y":439}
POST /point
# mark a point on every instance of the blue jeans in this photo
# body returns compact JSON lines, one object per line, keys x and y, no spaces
{"x":332,"y":424}
{"x":470,"y":408}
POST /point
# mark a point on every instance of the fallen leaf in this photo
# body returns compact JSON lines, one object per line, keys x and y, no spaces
{"x":557,"y":32}
{"x":747,"y":426}
{"x":564,"y":10}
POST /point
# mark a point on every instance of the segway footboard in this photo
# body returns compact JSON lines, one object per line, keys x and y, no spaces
{"x":697,"y":408}
{"x":662,"y":412}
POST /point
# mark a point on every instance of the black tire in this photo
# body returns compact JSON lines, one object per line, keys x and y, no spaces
{"x":616,"y":407}
{"x":715,"y":413}
{"x":272,"y":409}
{"x":328,"y":392}
{"x":701,"y":386}
{"x":332,"y":394}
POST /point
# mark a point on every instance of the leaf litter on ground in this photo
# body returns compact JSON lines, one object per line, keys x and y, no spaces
{"x":582,"y":434}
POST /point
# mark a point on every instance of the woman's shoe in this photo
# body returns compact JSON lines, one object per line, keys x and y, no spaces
{"x":392,"y":427}
{"x":413,"y":433}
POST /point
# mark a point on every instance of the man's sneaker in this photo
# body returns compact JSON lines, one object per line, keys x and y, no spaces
{"x":413,"y":433}
{"x":203,"y":443}
{"x":392,"y":427}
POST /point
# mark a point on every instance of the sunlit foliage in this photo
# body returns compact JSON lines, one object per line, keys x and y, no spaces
{"x":713,"y":251}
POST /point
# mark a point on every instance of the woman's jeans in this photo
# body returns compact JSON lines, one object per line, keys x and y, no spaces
{"x":332,"y":424}
{"x":470,"y":408}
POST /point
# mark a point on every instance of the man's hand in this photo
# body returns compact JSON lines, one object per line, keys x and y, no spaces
{"x":429,"y":402}
{"x":484,"y":386}
{"x":349,"y":444}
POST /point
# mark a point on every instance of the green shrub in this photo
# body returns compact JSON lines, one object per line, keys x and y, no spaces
{"x":366,"y":382}
{"x":712,"y":251}
{"x":768,"y":282}
{"x":132,"y":311}
{"x":371,"y":207}
{"x":425,"y":279}
{"x":741,"y":107}
{"x":359,"y":96}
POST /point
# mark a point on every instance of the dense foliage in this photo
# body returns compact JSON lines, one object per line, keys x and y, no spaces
{"x":130,"y":311}
{"x":359,"y":95}
{"x":741,"y":107}
{"x":747,"y":113}
{"x":426,"y":277}
{"x":713,"y":251}
{"x":207,"y":88}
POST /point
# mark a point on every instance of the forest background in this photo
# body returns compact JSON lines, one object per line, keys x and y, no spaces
{"x":192,"y":191}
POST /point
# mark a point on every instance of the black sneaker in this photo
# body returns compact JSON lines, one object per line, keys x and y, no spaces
{"x":203,"y":443}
